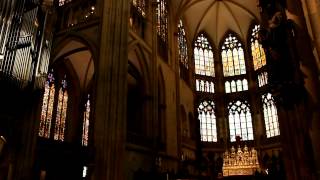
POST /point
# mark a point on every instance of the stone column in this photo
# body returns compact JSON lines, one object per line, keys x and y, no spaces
{"x":111,"y":91}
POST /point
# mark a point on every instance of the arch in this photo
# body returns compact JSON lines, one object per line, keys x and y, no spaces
{"x":237,"y":63}
{"x":138,"y":58}
{"x":206,"y":109}
{"x":240,"y":120}
{"x":202,"y":69}
{"x":75,"y":37}
{"x":256,"y":50}
{"x":80,"y":52}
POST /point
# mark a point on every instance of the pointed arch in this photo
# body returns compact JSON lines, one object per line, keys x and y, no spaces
{"x":256,"y":49}
{"x":232,"y":55}
{"x":208,"y":125}
{"x":240,"y":120}
{"x":203,"y":56}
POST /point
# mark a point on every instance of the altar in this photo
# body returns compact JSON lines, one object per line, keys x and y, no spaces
{"x":240,"y":161}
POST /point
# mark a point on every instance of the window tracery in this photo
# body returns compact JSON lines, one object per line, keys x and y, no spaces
{"x":258,"y":54}
{"x":232,"y":57}
{"x":270,"y":116}
{"x":208,"y":127}
{"x":203,"y":57}
{"x":240,"y":121}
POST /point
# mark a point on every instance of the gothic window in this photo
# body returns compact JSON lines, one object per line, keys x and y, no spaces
{"x":258,"y":55}
{"x":140,"y":5}
{"x":162,"y":19}
{"x":85,"y":126}
{"x":270,"y":116}
{"x":232,"y":57}
{"x":54,"y":106}
{"x":61,"y":115}
{"x":183,"y":50}
{"x":240,"y":121}
{"x":47,"y":107}
{"x":208,"y":127}
{"x":203,"y":57}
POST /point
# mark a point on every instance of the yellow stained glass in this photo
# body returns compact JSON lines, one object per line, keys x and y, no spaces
{"x":232,"y":57}
{"x":258,"y":54}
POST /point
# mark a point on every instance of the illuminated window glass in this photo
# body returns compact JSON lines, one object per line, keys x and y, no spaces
{"x":204,"y":86}
{"x":240,"y":121}
{"x":183,"y":50}
{"x":85,"y":126}
{"x":270,"y":116}
{"x":203,"y":57}
{"x":208,"y":127}
{"x":258,"y":55}
{"x":232,"y":57}
{"x":61,"y":115}
{"x":140,"y":5}
{"x":47,"y":107}
{"x":262,"y":79}
{"x":162,"y":19}
{"x":236,"y":86}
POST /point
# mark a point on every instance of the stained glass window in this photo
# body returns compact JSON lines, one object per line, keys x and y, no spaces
{"x":233,"y":57}
{"x":240,"y":121}
{"x":183,"y":49}
{"x":85,"y":126}
{"x":162,"y":19}
{"x":140,"y":5}
{"x":258,"y":55}
{"x":61,"y":115}
{"x":208,"y":127}
{"x":270,"y":116}
{"x":47,"y":107}
{"x":236,"y":85}
{"x":203,"y":57}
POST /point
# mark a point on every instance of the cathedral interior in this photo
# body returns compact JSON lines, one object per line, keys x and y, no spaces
{"x":159,"y":89}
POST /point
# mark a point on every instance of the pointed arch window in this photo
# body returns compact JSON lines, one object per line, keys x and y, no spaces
{"x":61,"y":115}
{"x":86,"y":122}
{"x":240,"y":121}
{"x":232,"y":57}
{"x":54,"y":109}
{"x":270,"y":116}
{"x":258,"y":54}
{"x":162,"y":19}
{"x":47,"y":107}
{"x":203,"y":57}
{"x":183,"y":49}
{"x":208,"y":127}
